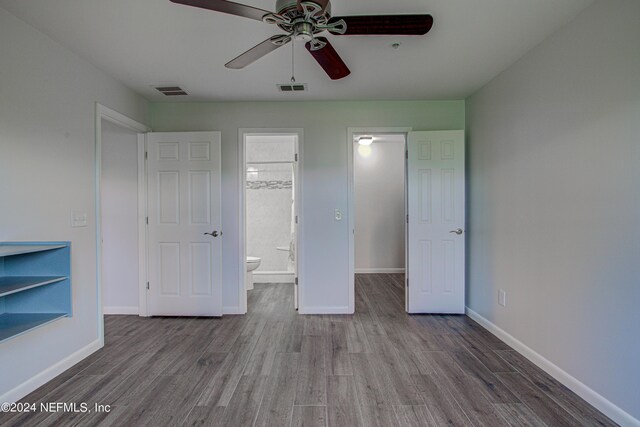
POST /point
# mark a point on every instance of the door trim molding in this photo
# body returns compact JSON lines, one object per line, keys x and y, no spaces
{"x":351,"y":131}
{"x":242,"y":238}
{"x":143,"y":272}
{"x":105,"y":113}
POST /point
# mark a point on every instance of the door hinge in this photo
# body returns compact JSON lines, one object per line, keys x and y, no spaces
{"x":407,"y":218}
{"x":295,"y":281}
{"x":296,"y":157}
{"x":146,"y":155}
{"x":147,"y":220}
{"x":406,"y":154}
{"x":407,"y":283}
{"x":147,"y":285}
{"x":296,"y":219}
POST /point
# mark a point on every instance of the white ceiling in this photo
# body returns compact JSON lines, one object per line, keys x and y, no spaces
{"x":144,"y":43}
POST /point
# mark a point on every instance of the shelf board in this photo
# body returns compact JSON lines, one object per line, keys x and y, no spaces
{"x":12,"y":284}
{"x":8,"y":250}
{"x":12,"y":324}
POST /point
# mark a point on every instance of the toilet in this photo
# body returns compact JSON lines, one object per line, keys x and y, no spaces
{"x":253,"y":262}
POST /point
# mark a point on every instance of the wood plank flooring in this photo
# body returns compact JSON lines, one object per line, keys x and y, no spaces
{"x":273,"y":367}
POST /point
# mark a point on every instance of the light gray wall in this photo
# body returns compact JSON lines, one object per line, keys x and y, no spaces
{"x":325,"y":260}
{"x":554,"y":200}
{"x":119,"y":194}
{"x":47,"y":146}
{"x":379,"y":206}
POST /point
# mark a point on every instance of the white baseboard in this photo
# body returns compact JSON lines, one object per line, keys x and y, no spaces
{"x":379,"y":270}
{"x":324,"y":310}
{"x":121,"y":310}
{"x":605,"y":406}
{"x":232,"y":310}
{"x":273,"y":276}
{"x":271,"y":273}
{"x":50,"y":373}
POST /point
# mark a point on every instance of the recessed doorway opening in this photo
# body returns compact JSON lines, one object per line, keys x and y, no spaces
{"x":119,"y":171}
{"x":270,"y":200}
{"x":119,"y":213}
{"x":379,"y":211}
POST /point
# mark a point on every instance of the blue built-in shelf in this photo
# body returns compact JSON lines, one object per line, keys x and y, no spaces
{"x":35,"y":285}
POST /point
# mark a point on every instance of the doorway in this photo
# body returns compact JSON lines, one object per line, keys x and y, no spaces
{"x":379,"y":210}
{"x":121,"y":134}
{"x":372,"y":260}
{"x":270,"y":206}
{"x":434,"y":217}
{"x":119,"y":215}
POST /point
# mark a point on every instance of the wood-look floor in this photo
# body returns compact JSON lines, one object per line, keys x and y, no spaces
{"x":273,"y":367}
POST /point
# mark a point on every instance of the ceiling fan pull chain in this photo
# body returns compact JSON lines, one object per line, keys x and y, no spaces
{"x":293,"y":69}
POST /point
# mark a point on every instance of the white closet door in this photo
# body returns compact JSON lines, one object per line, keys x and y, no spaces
{"x":436,"y":206}
{"x":184,"y":193}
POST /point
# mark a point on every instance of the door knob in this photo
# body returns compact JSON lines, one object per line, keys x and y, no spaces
{"x":458,"y":231}
{"x":214,"y":233}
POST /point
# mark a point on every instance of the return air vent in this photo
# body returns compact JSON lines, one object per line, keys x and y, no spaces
{"x":293,"y":87}
{"x":171,"y":90}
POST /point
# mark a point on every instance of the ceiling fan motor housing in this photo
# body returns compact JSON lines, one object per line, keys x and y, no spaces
{"x":303,"y":31}
{"x":285,"y":6}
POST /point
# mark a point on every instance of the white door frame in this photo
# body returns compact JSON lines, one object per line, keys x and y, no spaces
{"x":105,"y":113}
{"x":242,"y":180}
{"x":351,"y":132}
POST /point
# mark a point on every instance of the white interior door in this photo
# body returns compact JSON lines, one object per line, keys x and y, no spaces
{"x":184,"y":192}
{"x":435,"y":237}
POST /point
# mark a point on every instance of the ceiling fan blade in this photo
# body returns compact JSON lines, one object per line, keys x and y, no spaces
{"x":258,"y":51}
{"x":322,"y":3}
{"x":329,"y":59}
{"x":400,"y":25}
{"x":227,"y":7}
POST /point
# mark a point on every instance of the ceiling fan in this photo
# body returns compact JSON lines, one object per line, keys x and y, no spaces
{"x":304,"y":20}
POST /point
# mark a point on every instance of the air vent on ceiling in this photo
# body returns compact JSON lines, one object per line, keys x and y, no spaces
{"x":171,"y":90}
{"x":293,"y":87}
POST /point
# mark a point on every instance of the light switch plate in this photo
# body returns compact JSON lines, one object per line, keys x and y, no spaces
{"x":502,"y":298}
{"x":78,"y":219}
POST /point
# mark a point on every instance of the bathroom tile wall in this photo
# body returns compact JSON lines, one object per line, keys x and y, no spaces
{"x":269,"y":201}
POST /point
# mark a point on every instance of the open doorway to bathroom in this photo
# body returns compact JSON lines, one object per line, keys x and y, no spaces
{"x":379,"y":207}
{"x":270,"y":189}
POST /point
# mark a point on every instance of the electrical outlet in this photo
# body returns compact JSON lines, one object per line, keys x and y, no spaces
{"x":502,"y":298}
